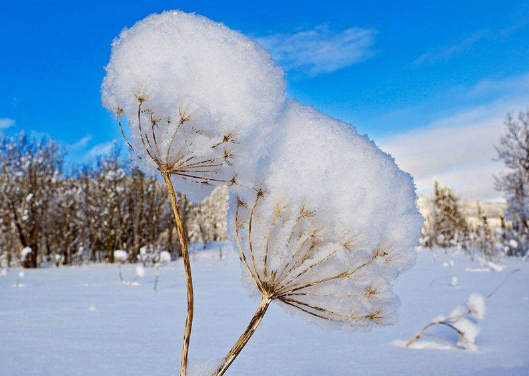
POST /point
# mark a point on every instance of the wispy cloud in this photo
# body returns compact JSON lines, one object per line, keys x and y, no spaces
{"x":459,"y":149}
{"x":7,"y":123}
{"x":81,"y":143}
{"x":447,"y":52}
{"x":100,"y":149}
{"x":507,"y":85}
{"x":320,"y":50}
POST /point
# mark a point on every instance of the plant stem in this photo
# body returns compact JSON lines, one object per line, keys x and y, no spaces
{"x":245,"y":337}
{"x":187,"y":269}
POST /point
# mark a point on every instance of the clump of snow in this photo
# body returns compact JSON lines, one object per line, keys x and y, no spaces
{"x":333,"y":222}
{"x":454,"y":282}
{"x":25,"y":252}
{"x":120,"y":255}
{"x":92,"y":308}
{"x":495,"y":267}
{"x":165,"y":257}
{"x":422,"y":345}
{"x":449,"y":263}
{"x":140,"y":271}
{"x":468,"y":333}
{"x":439,"y":318}
{"x":18,"y":282}
{"x":3,"y":273}
{"x":205,"y":368}
{"x":206,"y":91}
{"x":458,"y":312}
{"x":477,"y":306}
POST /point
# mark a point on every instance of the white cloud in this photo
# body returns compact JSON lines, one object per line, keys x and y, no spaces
{"x":7,"y":123}
{"x":81,"y":143}
{"x":101,"y":149}
{"x":459,"y":149}
{"x":320,"y":50}
{"x":447,"y":52}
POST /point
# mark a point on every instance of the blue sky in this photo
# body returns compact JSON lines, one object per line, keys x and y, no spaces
{"x":429,"y":81}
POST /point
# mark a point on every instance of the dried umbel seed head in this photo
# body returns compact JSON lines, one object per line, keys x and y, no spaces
{"x":335,"y":220}
{"x":199,"y":98}
{"x":320,"y":272}
{"x":192,"y":155}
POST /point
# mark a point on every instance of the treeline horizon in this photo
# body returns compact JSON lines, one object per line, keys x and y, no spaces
{"x":51,"y":214}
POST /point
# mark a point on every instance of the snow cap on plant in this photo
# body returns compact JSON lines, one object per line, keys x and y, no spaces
{"x":121,"y":255}
{"x":477,"y":306}
{"x":331,"y":221}
{"x":199,"y":98}
{"x":140,"y":271}
{"x":165,"y":257}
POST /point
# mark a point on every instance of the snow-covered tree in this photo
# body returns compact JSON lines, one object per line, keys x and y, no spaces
{"x":30,"y":169}
{"x":513,"y":151}
{"x":445,"y":226}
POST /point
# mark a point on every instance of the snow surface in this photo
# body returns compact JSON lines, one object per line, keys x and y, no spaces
{"x":83,"y":321}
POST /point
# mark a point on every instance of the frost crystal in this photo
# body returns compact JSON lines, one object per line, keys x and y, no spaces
{"x":331,"y":222}
{"x":199,"y":97}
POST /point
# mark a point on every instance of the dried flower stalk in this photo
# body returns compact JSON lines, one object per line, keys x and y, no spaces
{"x":285,"y":268}
{"x":179,"y":161}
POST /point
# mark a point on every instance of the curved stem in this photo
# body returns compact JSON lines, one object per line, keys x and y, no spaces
{"x":187,"y":269}
{"x":245,"y":337}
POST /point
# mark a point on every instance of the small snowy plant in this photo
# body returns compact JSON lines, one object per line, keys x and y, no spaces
{"x":332,"y":221}
{"x":18,"y":282}
{"x":120,"y":256}
{"x":140,"y":272}
{"x":463,"y":321}
{"x":199,"y":99}
{"x":164,"y":259}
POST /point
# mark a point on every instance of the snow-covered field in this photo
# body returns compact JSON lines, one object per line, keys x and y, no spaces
{"x":83,"y":321}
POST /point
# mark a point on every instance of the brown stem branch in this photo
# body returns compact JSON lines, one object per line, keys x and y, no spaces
{"x":245,"y":337}
{"x":187,"y":268}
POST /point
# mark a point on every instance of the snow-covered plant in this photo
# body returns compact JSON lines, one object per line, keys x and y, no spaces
{"x":463,"y":320}
{"x":513,"y":151}
{"x":199,"y":99}
{"x":445,"y":225}
{"x":331,"y":222}
{"x":58,"y":259}
{"x":164,"y":259}
{"x":30,"y":168}
{"x":18,"y":282}
{"x":120,"y":256}
{"x":140,"y":272}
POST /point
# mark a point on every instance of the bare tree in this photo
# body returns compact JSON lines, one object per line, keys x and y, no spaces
{"x":30,"y":171}
{"x":513,"y":151}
